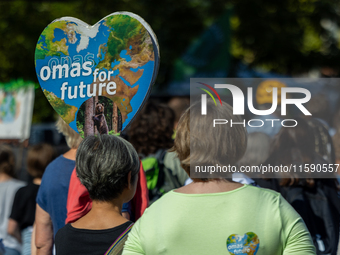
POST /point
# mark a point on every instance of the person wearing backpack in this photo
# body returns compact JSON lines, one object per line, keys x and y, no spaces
{"x":151,"y":135}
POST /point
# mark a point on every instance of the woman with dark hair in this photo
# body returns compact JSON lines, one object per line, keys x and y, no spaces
{"x":108,"y":167}
{"x":214,"y":215}
{"x":151,"y":135}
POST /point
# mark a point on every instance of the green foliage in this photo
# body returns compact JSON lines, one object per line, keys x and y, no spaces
{"x":22,"y":22}
{"x":112,"y":132}
{"x":287,"y":36}
{"x":81,"y":115}
{"x":80,"y":129}
{"x":16,"y":85}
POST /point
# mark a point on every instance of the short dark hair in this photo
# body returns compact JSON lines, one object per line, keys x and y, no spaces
{"x":7,"y":160}
{"x":103,"y":163}
{"x":38,"y":158}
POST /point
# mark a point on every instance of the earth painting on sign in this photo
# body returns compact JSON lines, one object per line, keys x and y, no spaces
{"x":116,"y":59}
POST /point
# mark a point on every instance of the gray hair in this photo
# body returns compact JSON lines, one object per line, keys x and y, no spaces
{"x":73,"y":139}
{"x":198,"y":142}
{"x":103,"y":163}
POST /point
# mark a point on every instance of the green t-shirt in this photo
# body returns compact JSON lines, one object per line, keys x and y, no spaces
{"x":244,"y":221}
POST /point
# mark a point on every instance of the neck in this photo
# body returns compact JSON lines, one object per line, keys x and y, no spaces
{"x":103,"y":215}
{"x":37,"y":181}
{"x":71,"y":154}
{"x":211,"y":186}
{"x":101,"y":207}
{"x":4,"y":177}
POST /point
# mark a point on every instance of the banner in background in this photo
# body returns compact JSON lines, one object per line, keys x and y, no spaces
{"x":16,"y":108}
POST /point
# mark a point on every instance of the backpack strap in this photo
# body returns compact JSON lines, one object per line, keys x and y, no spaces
{"x":160,"y":154}
{"x":117,"y":247}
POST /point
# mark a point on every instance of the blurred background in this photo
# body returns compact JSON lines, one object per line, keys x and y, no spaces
{"x":197,"y":38}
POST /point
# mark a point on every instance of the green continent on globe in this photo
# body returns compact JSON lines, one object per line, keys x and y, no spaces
{"x":46,"y":47}
{"x":251,"y":237}
{"x":126,"y":33}
{"x":231,"y":239}
{"x":66,"y":111}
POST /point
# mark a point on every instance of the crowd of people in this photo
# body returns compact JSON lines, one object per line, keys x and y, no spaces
{"x":132,"y":194}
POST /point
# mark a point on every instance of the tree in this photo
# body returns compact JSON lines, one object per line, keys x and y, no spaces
{"x":115,"y":118}
{"x":95,"y":131}
{"x":89,"y":124}
{"x":286,"y":36}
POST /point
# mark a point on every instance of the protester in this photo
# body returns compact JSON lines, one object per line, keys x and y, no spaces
{"x":108,"y":167}
{"x":257,"y":152}
{"x":79,"y":202}
{"x":8,"y":188}
{"x":20,"y":224}
{"x":314,"y":199}
{"x":151,"y":135}
{"x":233,"y":217}
{"x":52,"y":195}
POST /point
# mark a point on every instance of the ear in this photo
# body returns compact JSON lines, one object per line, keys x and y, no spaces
{"x":103,"y":104}
{"x":97,"y":103}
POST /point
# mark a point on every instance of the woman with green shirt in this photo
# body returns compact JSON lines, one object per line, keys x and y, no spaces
{"x":215,"y":215}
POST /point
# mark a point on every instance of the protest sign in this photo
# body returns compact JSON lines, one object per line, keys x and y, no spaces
{"x":97,"y":78}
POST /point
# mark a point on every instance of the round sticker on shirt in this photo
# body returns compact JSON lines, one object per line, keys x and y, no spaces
{"x":247,"y":244}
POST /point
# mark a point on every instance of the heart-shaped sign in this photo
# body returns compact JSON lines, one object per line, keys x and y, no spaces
{"x":248,"y":244}
{"x":97,"y":78}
